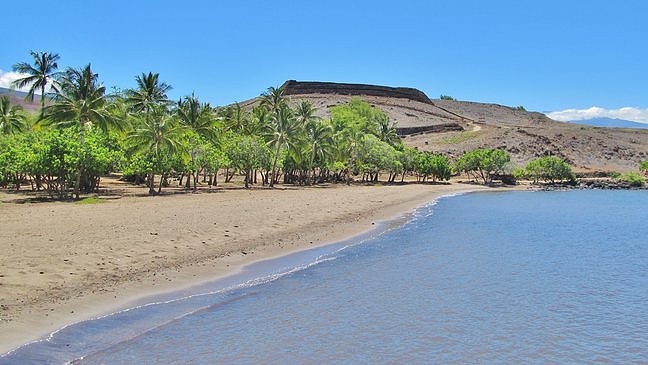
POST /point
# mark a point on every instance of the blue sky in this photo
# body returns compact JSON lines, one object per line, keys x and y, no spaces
{"x":544,"y":55}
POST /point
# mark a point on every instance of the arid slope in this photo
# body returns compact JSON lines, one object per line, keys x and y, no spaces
{"x":528,"y":135}
{"x":453,"y":127}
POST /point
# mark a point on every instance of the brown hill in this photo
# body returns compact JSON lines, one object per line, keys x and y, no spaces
{"x":18,"y":98}
{"x":411,"y":109}
{"x":453,"y":127}
{"x":527,"y":135}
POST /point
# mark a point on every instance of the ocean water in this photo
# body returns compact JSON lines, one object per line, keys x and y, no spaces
{"x":514,"y":277}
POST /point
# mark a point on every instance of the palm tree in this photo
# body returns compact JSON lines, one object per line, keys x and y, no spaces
{"x":11,"y":117}
{"x":387,"y":130}
{"x":235,"y":118}
{"x":320,"y":140}
{"x":156,"y":135}
{"x":284,"y":129}
{"x":259,"y":121}
{"x":150,"y":93}
{"x":41,"y":74}
{"x":350,"y":140}
{"x":198,"y":118}
{"x":156,"y":132}
{"x":82,"y":102}
{"x":305,"y":112}
{"x":273,"y":99}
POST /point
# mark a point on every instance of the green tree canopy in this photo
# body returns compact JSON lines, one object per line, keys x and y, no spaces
{"x":483,"y":163}
{"x":157,"y":138}
{"x":247,"y":153}
{"x":435,"y":165}
{"x":375,"y":156}
{"x":360,"y":115}
{"x":547,"y":168}
{"x":81,"y":102}
{"x":12,"y":117}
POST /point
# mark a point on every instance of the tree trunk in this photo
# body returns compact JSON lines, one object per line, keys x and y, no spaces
{"x":151,"y":182}
{"x":228,"y":176}
{"x":188,"y":184}
{"x":77,"y":181}
{"x":274,"y":165}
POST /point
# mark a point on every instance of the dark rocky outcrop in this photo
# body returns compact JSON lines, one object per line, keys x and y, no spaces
{"x":292,"y":87}
{"x":592,"y":184}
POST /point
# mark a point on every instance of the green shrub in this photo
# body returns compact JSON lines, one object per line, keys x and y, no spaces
{"x":548,"y":168}
{"x":633,"y":179}
{"x":644,"y":166}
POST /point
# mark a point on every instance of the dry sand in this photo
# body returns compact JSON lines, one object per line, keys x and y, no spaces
{"x":63,"y":262}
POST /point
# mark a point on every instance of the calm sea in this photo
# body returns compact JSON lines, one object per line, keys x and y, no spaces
{"x":515,"y":277}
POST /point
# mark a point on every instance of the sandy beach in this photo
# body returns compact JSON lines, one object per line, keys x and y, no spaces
{"x":63,"y":262}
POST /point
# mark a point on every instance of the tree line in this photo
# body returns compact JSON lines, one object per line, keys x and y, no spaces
{"x":82,"y":133}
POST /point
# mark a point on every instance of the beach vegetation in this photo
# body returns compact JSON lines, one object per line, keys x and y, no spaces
{"x":247,"y":154}
{"x":483,"y":164}
{"x":409,"y":159}
{"x":634,"y":179}
{"x":81,"y":103}
{"x":156,"y":138}
{"x":149,"y":95}
{"x":83,"y":133}
{"x":374,"y":156}
{"x":435,"y":166}
{"x":41,"y":75}
{"x":548,"y":168}
{"x":282,"y":133}
{"x":359,"y":115}
{"x":644,"y":166}
{"x":47,"y":159}
{"x":199,"y":121}
{"x":12,"y":117}
{"x":320,"y":146}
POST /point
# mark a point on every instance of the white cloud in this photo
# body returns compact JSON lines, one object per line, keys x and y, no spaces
{"x":628,"y":113}
{"x":7,"y":77}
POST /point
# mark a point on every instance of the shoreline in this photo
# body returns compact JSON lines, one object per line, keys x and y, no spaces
{"x":339,"y":214}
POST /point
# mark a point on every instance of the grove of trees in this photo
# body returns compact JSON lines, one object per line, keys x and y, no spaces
{"x":82,"y":132}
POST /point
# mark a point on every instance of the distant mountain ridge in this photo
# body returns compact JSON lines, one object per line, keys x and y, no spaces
{"x":610,"y":123}
{"x":17,"y":93}
{"x":18,"y":97}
